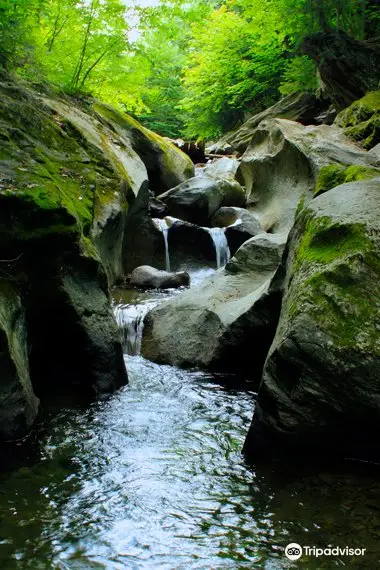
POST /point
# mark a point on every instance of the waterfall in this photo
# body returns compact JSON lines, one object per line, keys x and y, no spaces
{"x":163,"y":227}
{"x":222,"y":250}
{"x":130,"y":318}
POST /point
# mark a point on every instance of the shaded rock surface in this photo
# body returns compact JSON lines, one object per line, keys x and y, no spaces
{"x":18,"y":403}
{"x":200,"y":197}
{"x":148,"y":277}
{"x":320,"y":391}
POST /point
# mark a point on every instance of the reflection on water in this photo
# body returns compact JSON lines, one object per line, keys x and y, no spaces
{"x":153,"y":478}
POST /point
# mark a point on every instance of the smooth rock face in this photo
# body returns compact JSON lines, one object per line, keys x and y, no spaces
{"x":224,"y":168}
{"x":199,"y":198}
{"x":227,"y":323}
{"x":283,"y":162}
{"x":148,"y":277}
{"x":261,"y":252}
{"x":320,"y":392}
{"x":18,"y":403}
{"x":302,"y":107}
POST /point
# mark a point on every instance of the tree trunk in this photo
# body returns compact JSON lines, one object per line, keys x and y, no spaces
{"x":349,"y":68}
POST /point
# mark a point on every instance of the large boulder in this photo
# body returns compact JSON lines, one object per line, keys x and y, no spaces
{"x":147,"y":277}
{"x":361,"y":120}
{"x":226,"y":323}
{"x":224,"y":168}
{"x":320,"y":391}
{"x":74,"y":212}
{"x":199,"y":198}
{"x":283,"y":162}
{"x":302,"y":107}
{"x":189,"y":245}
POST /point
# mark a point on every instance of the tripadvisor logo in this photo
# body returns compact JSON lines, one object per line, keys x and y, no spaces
{"x":294,"y":551}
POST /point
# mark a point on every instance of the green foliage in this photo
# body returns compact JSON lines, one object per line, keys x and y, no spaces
{"x":183,"y":67}
{"x":300,"y":74}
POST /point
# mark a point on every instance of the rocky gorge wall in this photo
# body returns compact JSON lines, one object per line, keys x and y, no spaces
{"x":75,"y":183}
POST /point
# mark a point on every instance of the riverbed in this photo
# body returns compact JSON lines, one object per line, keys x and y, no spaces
{"x":153,"y":478}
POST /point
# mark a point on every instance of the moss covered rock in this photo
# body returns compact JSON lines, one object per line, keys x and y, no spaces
{"x":320,"y":391}
{"x":361,"y":120}
{"x":74,"y":194}
{"x":336,"y":174}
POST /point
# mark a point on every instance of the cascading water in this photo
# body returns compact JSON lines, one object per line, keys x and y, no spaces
{"x":164,"y":229}
{"x":130,"y":318}
{"x":222,"y":249}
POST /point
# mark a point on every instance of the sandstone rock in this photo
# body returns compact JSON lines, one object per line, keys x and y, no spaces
{"x":321,"y":382}
{"x":148,"y":277}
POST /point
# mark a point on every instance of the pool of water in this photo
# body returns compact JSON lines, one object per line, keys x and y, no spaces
{"x":153,"y":478}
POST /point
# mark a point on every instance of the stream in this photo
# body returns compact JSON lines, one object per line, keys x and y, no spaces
{"x":153,"y":478}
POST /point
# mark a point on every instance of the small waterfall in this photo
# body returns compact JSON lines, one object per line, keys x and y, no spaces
{"x":130,"y":318}
{"x":164,"y":229}
{"x":222,"y":250}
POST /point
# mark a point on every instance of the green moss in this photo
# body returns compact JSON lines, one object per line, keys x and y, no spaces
{"x":336,"y":174}
{"x":335,"y":267}
{"x":324,"y":240}
{"x":361,"y":120}
{"x":368,"y":132}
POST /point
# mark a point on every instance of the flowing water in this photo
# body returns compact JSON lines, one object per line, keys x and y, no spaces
{"x":222,"y":249}
{"x":152,"y":478}
{"x":164,"y":229}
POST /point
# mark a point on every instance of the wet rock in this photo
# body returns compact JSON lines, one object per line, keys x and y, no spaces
{"x":361,"y":120}
{"x":320,"y":387}
{"x":240,"y":224}
{"x":148,"y":277}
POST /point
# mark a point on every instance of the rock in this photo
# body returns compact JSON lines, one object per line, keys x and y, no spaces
{"x":227,"y":323}
{"x":321,"y":383}
{"x":282,"y":165}
{"x":157,"y":209}
{"x":301,"y":107}
{"x":361,"y":121}
{"x":18,"y":403}
{"x":348,"y":67}
{"x":166,"y":165}
{"x":194,"y":149}
{"x":148,"y":277}
{"x":200,"y":197}
{"x":261,"y":252}
{"x":221,"y":149}
{"x":375,"y":151}
{"x":74,"y":216}
{"x":189,"y":244}
{"x":240,"y":224}
{"x":222,"y":168}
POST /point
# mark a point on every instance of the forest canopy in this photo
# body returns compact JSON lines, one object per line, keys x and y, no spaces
{"x":190,"y":68}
